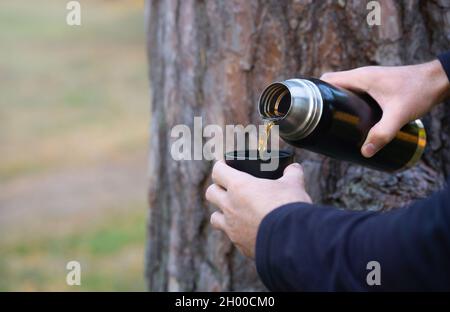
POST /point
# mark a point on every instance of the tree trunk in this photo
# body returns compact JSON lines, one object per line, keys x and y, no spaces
{"x":213,"y":58}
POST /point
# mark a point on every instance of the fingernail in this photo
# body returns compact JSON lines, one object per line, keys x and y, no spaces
{"x":369,"y":150}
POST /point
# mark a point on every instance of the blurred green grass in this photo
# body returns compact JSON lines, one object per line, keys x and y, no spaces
{"x":110,"y":253}
{"x":62,"y":86}
{"x":72,"y":97}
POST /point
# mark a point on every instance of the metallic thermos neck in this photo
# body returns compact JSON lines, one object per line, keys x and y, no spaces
{"x":295,"y":105}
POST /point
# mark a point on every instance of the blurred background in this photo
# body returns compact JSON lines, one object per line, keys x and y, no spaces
{"x":74,"y":118}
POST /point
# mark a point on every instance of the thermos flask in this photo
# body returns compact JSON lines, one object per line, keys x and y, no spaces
{"x":325,"y":119}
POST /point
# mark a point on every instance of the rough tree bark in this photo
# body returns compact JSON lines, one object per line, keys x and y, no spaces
{"x":212,"y":59}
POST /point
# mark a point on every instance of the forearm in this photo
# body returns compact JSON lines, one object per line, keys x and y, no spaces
{"x":436,"y":81}
{"x":303,"y":247}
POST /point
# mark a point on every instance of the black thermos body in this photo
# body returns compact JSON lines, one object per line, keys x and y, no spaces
{"x":325,"y":119}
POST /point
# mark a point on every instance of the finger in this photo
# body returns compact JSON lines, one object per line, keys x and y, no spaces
{"x":294,"y":172}
{"x":217,"y":196}
{"x":223,"y":175}
{"x":381,"y":134}
{"x":356,"y":79}
{"x":218,"y":220}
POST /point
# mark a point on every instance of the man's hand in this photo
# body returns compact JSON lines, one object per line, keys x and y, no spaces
{"x":404,"y":93}
{"x":244,"y":201}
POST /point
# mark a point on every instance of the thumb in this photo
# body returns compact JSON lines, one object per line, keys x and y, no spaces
{"x":294,"y":172}
{"x":381,"y":134}
{"x":355,"y":79}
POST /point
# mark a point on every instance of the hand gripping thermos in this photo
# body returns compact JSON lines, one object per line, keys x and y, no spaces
{"x":325,"y":119}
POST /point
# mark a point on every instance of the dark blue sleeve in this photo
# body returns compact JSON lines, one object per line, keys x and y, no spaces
{"x":303,"y":247}
{"x":444,"y":58}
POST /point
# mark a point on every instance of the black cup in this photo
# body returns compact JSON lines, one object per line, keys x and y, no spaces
{"x":249,"y":162}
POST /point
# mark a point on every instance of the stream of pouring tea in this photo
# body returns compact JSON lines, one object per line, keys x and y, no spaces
{"x":264,"y":139}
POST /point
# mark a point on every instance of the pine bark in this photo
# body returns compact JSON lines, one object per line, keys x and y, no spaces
{"x":213,"y":58}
